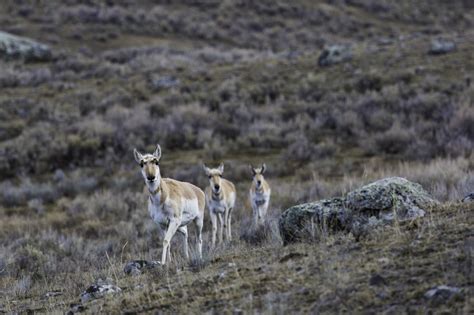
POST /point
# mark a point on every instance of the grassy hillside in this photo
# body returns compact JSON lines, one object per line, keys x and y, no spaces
{"x":239,"y":82}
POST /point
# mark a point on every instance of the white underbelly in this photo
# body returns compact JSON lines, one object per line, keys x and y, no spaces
{"x":190,"y":210}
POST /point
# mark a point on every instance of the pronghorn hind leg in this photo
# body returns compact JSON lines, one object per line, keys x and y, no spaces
{"x":172,"y":228}
{"x":199,"y":224}
{"x":184,"y":231}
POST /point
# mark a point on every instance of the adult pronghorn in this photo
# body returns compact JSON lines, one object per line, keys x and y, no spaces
{"x":220,"y":199}
{"x":172,"y":204}
{"x":259,"y":194}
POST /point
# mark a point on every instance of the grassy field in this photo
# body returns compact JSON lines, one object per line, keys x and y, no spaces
{"x":239,"y":82}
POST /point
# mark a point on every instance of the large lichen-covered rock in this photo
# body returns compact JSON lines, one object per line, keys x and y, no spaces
{"x":12,"y":46}
{"x":373,"y":205}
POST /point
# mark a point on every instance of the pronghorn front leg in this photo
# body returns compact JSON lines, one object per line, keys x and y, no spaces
{"x":184,"y":231}
{"x":229,"y":227}
{"x":221,"y":227}
{"x":214,"y":227}
{"x":172,"y":228}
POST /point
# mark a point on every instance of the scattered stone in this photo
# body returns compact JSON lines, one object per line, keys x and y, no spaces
{"x":137,"y":267}
{"x":361,"y":211}
{"x":442,"y":293}
{"x":53,"y":293}
{"x":441,"y":46}
{"x":163,"y":83}
{"x":76,"y":308}
{"x":377,"y":280}
{"x":12,"y":46}
{"x":469,"y":198}
{"x":96,"y":291}
{"x":335,"y":54}
{"x":292,"y":256}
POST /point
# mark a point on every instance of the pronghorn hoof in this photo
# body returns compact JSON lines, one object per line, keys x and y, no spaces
{"x":137,"y":267}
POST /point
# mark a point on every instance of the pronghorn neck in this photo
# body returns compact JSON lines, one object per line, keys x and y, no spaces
{"x":161,"y":192}
{"x":217,"y":196}
{"x":259,"y":190}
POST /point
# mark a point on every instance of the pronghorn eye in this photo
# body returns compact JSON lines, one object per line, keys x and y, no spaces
{"x":142,"y":163}
{"x":210,"y":177}
{"x":220,"y":175}
{"x":155,"y":162}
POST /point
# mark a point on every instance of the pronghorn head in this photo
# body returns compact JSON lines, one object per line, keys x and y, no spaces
{"x":215,"y":177}
{"x":150,"y":168}
{"x":258,"y":175}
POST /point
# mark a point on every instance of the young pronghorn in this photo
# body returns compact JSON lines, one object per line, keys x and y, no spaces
{"x":220,"y":199}
{"x":259,"y":194}
{"x":172,"y":204}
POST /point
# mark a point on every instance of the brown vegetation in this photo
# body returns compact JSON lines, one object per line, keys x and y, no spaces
{"x":235,"y":81}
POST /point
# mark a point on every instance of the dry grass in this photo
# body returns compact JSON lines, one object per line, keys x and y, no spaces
{"x":239,"y":82}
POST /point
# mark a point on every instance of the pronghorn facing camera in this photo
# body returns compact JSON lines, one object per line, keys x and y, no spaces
{"x":259,"y":194}
{"x":172,"y":204}
{"x":220,"y":199}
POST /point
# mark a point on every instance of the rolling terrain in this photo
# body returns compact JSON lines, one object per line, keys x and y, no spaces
{"x":239,"y":82}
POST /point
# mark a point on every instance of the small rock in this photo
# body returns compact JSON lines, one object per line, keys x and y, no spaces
{"x":442,"y":293}
{"x":441,"y":46}
{"x":96,"y":291}
{"x":377,"y":279}
{"x":162,"y":83}
{"x":469,"y":198}
{"x":335,"y":54}
{"x":76,"y":308}
{"x":137,"y":267}
{"x":12,"y":46}
{"x":53,"y":293}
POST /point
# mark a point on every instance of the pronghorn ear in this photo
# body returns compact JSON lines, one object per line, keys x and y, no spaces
{"x":253,"y":170}
{"x":157,"y":152}
{"x":221,"y":168}
{"x":263,"y":169}
{"x":206,"y":169}
{"x":138,"y":156}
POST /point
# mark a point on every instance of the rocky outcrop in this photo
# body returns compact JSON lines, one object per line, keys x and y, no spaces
{"x":12,"y":46}
{"x":335,"y":54}
{"x":373,"y":205}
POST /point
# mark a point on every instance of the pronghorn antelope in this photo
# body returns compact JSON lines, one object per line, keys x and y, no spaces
{"x":220,"y":199}
{"x":259,"y":194}
{"x":172,"y":204}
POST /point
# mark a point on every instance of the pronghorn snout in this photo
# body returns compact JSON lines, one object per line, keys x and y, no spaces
{"x":259,"y":182}
{"x":150,"y":178}
{"x":216,"y":187}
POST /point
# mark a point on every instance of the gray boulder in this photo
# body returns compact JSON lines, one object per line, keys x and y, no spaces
{"x":12,"y":46}
{"x":335,"y":54}
{"x":441,"y":46}
{"x":137,"y":267}
{"x":362,"y":210}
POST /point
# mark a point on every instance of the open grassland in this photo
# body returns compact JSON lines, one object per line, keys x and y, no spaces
{"x":234,"y":81}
